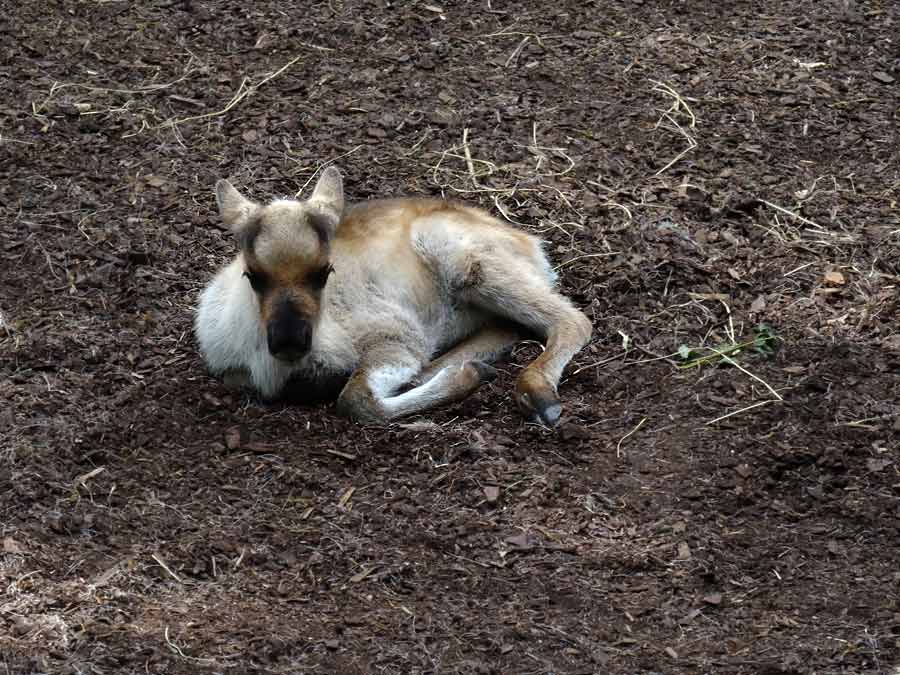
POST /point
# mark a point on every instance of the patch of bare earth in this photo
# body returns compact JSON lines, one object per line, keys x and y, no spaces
{"x":720,"y":497}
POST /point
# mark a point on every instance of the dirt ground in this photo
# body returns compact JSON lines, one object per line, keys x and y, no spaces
{"x":698,"y":168}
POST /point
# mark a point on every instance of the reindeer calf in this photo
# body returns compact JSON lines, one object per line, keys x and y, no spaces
{"x":398,"y":304}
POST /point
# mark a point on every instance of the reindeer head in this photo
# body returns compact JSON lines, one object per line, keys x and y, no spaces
{"x":285,"y":250}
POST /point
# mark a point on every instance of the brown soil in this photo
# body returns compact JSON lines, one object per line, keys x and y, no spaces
{"x":697,"y":167}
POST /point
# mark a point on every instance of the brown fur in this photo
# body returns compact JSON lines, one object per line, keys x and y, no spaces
{"x":423,"y":291}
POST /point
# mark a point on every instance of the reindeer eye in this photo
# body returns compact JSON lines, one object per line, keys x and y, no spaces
{"x":319,"y":278}
{"x":257,"y":280}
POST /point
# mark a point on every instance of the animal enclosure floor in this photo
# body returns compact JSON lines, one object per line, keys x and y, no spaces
{"x":718,"y":183}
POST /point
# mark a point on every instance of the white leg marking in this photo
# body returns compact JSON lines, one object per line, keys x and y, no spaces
{"x":388,"y":378}
{"x":435,"y":391}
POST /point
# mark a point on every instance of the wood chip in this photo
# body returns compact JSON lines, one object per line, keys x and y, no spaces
{"x":345,"y":455}
{"x":162,"y":563}
{"x":420,"y":426}
{"x":690,"y":616}
{"x":876,"y":465}
{"x":10,"y":545}
{"x":185,"y":99}
{"x":835,"y":278}
{"x":713,"y":599}
{"x":342,"y":502}
{"x":491,"y":493}
{"x":724,"y":297}
{"x":882,"y":77}
{"x":233,"y":438}
{"x":671,"y":652}
{"x":520,"y":542}
{"x":362,"y":574}
{"x":85,"y":477}
{"x":684,"y":551}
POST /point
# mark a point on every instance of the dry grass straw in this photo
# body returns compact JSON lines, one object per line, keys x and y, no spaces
{"x":741,"y":411}
{"x":320,"y":167}
{"x":814,"y":234}
{"x":245,"y":89}
{"x":92,"y":108}
{"x":472,"y":180}
{"x":792,"y":214}
{"x":626,"y":436}
{"x":679,"y":109}
{"x":57,"y":87}
{"x":720,"y":353}
{"x":475,"y":170}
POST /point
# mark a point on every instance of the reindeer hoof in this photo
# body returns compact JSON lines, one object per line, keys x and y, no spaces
{"x":550,"y":415}
{"x":541,"y":409}
{"x":537,"y":399}
{"x":546,"y":411}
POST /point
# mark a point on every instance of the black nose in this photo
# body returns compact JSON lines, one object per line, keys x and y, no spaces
{"x":289,"y":335}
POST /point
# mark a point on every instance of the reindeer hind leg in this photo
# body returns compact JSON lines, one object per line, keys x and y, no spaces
{"x":488,"y":345}
{"x":522,"y":292}
{"x":370,"y":394}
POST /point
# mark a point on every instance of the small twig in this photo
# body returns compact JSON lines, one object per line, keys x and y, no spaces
{"x":322,"y":166}
{"x":616,"y":205}
{"x":797,"y":269}
{"x":240,"y":558}
{"x":791,"y":214}
{"x":678,"y":106}
{"x":600,"y":363}
{"x":342,"y":502}
{"x":656,"y":357}
{"x":863,"y":422}
{"x":538,"y":151}
{"x":514,"y":57}
{"x":621,"y":440}
{"x":149,"y":89}
{"x":85,"y":477}
{"x":468,"y":155}
{"x":175,"y":648}
{"x":469,"y":560}
{"x":244,"y":90}
{"x":747,"y":372}
{"x":586,"y":255}
{"x":162,"y":563}
{"x":749,"y":407}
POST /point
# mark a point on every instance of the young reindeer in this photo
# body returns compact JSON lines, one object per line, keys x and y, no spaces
{"x":400,"y":305}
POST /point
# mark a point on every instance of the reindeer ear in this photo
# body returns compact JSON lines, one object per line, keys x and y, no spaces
{"x":328,"y":194}
{"x":236,"y":210}
{"x":327,"y":200}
